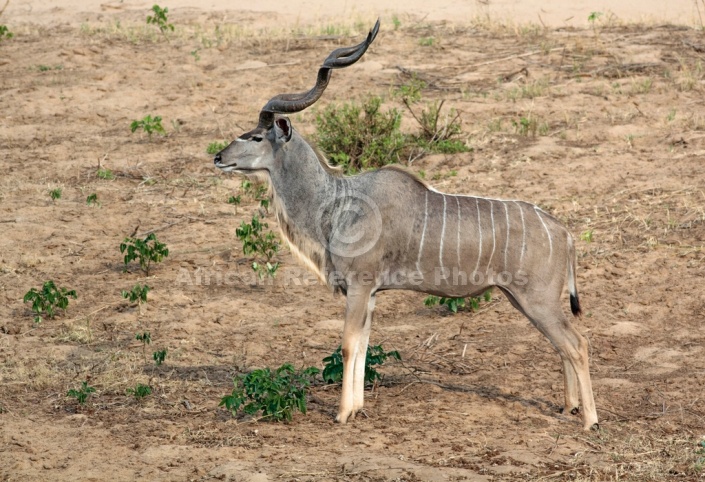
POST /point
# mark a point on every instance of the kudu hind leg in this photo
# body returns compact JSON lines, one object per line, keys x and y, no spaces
{"x":573,"y":349}
{"x":354,"y":333}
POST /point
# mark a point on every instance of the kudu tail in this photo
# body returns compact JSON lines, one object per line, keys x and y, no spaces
{"x":572,"y":288}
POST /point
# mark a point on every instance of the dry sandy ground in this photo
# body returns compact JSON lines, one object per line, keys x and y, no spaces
{"x":617,"y":151}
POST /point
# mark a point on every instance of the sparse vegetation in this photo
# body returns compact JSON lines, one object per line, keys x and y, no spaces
{"x":457,"y":304}
{"x":105,"y":173}
{"x":48,"y":299}
{"x":276,"y":394}
{"x":46,"y":68}
{"x":140,"y":391}
{"x":160,"y":19}
{"x":256,"y":191}
{"x":159,"y":356}
{"x":5,"y":33}
{"x":147,"y":251}
{"x":436,"y":135}
{"x":145,"y":338}
{"x":530,"y":126}
{"x":138,"y":294}
{"x":410,"y":92}
{"x":216,"y":147}
{"x":396,"y":22}
{"x":262,"y":246}
{"x":149,"y":124}
{"x":92,"y":200}
{"x":645,"y":208}
{"x":55,"y":193}
{"x":82,"y":393}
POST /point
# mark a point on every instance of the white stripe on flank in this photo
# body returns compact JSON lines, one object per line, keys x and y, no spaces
{"x":548,"y":235}
{"x":506,"y":245}
{"x":479,"y":226}
{"x":494,"y":235}
{"x":523,"y":234}
{"x":423,"y":234}
{"x":443,"y":232}
{"x":457,"y":250}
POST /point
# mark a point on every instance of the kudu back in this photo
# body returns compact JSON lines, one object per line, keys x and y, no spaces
{"x":387,"y":229}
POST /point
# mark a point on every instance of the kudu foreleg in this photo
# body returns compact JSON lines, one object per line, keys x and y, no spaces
{"x":358,"y":321}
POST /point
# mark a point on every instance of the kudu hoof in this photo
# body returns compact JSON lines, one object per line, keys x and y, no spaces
{"x":343,"y":418}
{"x":573,"y":411}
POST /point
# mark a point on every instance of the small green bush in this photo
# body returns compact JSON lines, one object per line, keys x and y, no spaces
{"x":48,"y":299}
{"x":55,"y":194}
{"x":160,"y":19}
{"x":262,"y":246}
{"x":277,"y":394}
{"x":438,"y":133}
{"x":456,"y":304}
{"x":82,"y":394}
{"x":216,"y":147}
{"x":159,"y":356}
{"x":105,"y":173}
{"x":5,"y":33}
{"x":149,"y":125}
{"x":138,"y":294}
{"x":147,"y":251}
{"x":358,"y":137}
{"x":92,"y":200}
{"x":140,"y":391}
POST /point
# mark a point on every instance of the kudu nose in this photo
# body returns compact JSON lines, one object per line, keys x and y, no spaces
{"x":217,"y":159}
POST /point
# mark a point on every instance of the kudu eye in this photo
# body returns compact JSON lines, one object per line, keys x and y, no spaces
{"x":257,"y":138}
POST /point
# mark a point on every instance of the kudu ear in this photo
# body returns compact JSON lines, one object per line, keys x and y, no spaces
{"x":282,"y":129}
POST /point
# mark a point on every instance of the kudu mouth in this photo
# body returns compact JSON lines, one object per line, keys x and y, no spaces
{"x":290,"y":103}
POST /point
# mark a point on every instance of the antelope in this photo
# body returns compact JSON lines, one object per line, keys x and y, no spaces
{"x":387,"y":229}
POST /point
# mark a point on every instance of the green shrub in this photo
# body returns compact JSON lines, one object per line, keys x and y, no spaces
{"x":138,"y":294}
{"x":456,"y":304}
{"x":147,"y":251}
{"x":82,"y":394}
{"x":5,"y":33}
{"x":262,"y":246}
{"x":48,"y":299}
{"x":160,"y":19}
{"x":149,"y":125}
{"x":277,"y":394}
{"x":140,"y":391}
{"x":159,"y":356}
{"x":358,"y":137}
{"x":105,"y":173}
{"x":55,"y":194}
{"x":216,"y":147}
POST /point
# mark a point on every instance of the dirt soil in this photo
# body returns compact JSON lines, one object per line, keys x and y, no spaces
{"x":603,"y":127}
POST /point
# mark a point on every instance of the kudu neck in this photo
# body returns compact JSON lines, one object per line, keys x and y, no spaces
{"x":300,"y":181}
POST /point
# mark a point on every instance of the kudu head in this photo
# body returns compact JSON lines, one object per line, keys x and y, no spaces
{"x":256,"y":150}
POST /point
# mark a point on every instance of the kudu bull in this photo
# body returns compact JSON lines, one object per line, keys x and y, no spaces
{"x":386,"y":229}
